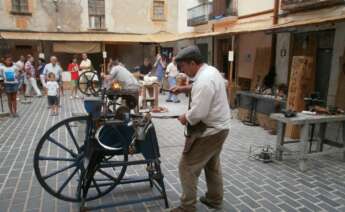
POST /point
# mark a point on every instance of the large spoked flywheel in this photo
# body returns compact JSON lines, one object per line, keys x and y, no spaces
{"x":59,"y":163}
{"x":89,"y":83}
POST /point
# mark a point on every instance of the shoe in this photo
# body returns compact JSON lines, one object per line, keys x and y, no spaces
{"x":71,"y":97}
{"x":177,"y":101}
{"x":210,"y":205}
{"x":168,"y":100}
{"x":39,"y":96}
{"x":77,"y":97}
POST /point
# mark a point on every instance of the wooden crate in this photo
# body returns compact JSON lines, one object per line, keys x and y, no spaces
{"x":262,"y":119}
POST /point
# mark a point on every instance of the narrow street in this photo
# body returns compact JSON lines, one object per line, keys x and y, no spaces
{"x":249,"y":185}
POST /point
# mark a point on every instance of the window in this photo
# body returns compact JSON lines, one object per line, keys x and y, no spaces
{"x":158,"y":10}
{"x":20,"y":6}
{"x":96,"y":14}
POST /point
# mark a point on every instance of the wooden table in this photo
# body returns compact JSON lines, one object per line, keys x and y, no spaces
{"x":306,"y":121}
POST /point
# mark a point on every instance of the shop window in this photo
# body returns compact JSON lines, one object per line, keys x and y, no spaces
{"x":96,"y":14}
{"x":158,"y":10}
{"x":20,"y":6}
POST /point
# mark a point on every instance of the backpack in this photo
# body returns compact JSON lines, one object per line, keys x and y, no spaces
{"x":9,"y":75}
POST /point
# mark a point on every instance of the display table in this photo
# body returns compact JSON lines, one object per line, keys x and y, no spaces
{"x":306,"y":122}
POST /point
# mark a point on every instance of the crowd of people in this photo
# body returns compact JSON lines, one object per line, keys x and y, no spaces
{"x":29,"y":77}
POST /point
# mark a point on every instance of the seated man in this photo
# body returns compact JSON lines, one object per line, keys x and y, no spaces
{"x":120,"y":74}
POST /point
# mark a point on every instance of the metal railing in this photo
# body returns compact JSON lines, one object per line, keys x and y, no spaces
{"x":200,"y":14}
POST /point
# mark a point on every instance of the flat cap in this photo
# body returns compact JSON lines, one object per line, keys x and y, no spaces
{"x":189,"y":53}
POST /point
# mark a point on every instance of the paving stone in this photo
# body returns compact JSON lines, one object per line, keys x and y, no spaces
{"x":327,"y":207}
{"x":309,"y":197}
{"x":287,"y":208}
{"x":269,"y":206}
{"x":290,"y":201}
{"x":305,"y":210}
{"x":311,"y":206}
{"x":250,"y":202}
{"x":243,"y":208}
{"x":270,"y":197}
{"x":328,"y":201}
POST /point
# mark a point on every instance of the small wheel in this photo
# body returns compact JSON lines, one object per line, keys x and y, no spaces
{"x":89,"y":83}
{"x":59,"y":162}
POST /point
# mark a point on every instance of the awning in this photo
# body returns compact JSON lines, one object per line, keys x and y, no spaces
{"x":76,"y":47}
{"x":76,"y":37}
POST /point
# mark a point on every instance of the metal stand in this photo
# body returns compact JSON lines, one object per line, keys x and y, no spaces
{"x":2,"y":113}
{"x":155,"y":178}
{"x":252,"y":116}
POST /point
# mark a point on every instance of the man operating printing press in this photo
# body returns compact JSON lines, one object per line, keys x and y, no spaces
{"x":207,"y":122}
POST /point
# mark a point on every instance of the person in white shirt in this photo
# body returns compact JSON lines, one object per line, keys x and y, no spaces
{"x":209,"y":117}
{"x":52,"y":91}
{"x":172,"y":73}
{"x":31,"y":77}
{"x":85,"y":64}
{"x":55,"y":68}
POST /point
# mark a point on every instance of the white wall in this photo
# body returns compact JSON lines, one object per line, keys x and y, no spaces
{"x":183,"y":6}
{"x":246,"y":7}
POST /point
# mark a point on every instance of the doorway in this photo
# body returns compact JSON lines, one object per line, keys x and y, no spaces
{"x":319,"y":46}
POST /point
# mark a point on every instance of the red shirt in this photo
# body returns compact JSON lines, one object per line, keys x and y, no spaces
{"x":73,"y":68}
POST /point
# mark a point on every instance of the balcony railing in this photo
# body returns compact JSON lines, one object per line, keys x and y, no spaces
{"x":295,"y":5}
{"x":200,"y":14}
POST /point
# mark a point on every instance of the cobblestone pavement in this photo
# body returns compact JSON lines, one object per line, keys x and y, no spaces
{"x":249,"y":185}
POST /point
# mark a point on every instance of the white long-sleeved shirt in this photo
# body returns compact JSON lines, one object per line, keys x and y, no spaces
{"x":209,"y":101}
{"x":172,"y":70}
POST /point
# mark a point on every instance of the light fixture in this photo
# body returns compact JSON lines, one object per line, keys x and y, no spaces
{"x":283,"y":52}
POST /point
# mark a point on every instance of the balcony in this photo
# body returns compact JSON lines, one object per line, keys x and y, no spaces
{"x":297,"y":5}
{"x":200,"y":14}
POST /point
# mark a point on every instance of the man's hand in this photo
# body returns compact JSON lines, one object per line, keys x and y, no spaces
{"x":183,"y":119}
{"x":180,"y":89}
{"x":175,"y":90}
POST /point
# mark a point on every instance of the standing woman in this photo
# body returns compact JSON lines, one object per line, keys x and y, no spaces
{"x":73,"y":67}
{"x":31,"y":76}
{"x":10,"y":76}
{"x":160,"y":66}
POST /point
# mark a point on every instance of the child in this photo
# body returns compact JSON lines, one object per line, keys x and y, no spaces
{"x":9,"y":73}
{"x":53,"y":90}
